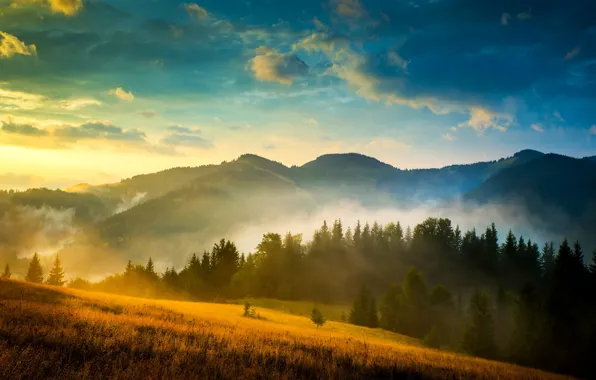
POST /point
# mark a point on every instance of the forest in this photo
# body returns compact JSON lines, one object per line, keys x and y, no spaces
{"x":499,"y":298}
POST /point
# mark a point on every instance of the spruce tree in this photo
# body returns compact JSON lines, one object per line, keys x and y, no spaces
{"x":34,"y":273}
{"x":372,"y":315}
{"x":6,"y":274}
{"x":390,"y":309}
{"x":150,"y":268}
{"x":56,"y":277}
{"x":479,"y":339}
{"x":593,"y":265}
{"x":360,"y":308}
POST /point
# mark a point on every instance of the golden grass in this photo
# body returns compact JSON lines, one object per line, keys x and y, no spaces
{"x":54,"y":333}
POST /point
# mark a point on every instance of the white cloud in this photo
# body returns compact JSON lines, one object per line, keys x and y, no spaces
{"x":592,"y":130}
{"x":12,"y":100}
{"x":448,"y":137}
{"x":270,"y":66}
{"x":573,"y":53}
{"x":537,"y":127}
{"x":75,"y":104}
{"x":482,"y":119}
{"x":122,"y":94}
{"x":11,"y":46}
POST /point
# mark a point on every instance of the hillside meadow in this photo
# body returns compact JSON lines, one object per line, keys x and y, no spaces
{"x":57,"y":333}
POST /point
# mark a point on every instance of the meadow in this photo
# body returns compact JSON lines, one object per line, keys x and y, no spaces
{"x":57,"y":333}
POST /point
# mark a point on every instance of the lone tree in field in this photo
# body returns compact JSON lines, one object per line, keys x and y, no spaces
{"x":479,"y":339}
{"x":56,"y":274}
{"x":34,"y":273}
{"x":317,"y":317}
{"x":6,"y":274}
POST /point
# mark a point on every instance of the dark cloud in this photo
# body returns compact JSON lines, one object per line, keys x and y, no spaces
{"x":184,"y":140}
{"x":99,"y":130}
{"x":23,"y":129}
{"x":184,"y":130}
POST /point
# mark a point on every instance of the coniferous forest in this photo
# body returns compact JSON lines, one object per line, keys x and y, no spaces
{"x":490,"y":294}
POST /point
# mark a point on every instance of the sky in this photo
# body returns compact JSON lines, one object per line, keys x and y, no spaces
{"x":99,"y":90}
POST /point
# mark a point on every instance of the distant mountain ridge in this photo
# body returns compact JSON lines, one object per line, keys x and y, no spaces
{"x":200,"y":204}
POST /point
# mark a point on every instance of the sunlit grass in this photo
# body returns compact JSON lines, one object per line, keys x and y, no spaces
{"x":48,"y":332}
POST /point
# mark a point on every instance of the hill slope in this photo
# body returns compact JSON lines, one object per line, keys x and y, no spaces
{"x":57,"y":333}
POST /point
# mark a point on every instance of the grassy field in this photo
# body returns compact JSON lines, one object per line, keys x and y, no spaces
{"x":54,"y":333}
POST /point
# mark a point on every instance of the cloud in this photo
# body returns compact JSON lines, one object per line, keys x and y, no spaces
{"x":75,"y":104}
{"x":448,"y":137}
{"x":181,"y":129}
{"x":349,"y":8}
{"x":67,"y":7}
{"x":22,"y":129}
{"x":218,"y":119}
{"x":395,"y":59}
{"x":505,"y":17}
{"x":592,"y":130}
{"x":102,"y":130}
{"x":11,"y":46}
{"x":270,"y":66}
{"x":147,"y":114}
{"x":573,"y":53}
{"x":196,"y":12}
{"x":269,"y":147}
{"x":121,"y":94}
{"x":312,"y":121}
{"x":522,"y":16}
{"x":482,"y":119}
{"x":387,"y":143}
{"x":11,"y":100}
{"x":537,"y":127}
{"x":186,"y":140}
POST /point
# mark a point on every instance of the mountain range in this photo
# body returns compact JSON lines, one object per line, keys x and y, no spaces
{"x":183,"y":210}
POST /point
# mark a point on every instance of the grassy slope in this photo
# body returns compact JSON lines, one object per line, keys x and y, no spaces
{"x":56,"y":333}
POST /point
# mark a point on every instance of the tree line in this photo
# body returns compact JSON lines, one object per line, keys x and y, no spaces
{"x":509,"y":300}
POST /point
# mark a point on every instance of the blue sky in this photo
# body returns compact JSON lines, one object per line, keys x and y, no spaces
{"x":97,"y":90}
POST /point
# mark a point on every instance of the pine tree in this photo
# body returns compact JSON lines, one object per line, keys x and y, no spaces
{"x":56,"y":274}
{"x":593,"y":265}
{"x":547,"y":260}
{"x":34,"y":273}
{"x":150,"y":268}
{"x":129,"y":268}
{"x":372,"y":315}
{"x":6,"y":274}
{"x":478,"y":339}
{"x":360,"y":308}
{"x":390,"y":309}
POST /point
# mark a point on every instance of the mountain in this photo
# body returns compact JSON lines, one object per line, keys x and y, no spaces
{"x":184,"y":210}
{"x":593,"y":158}
{"x":555,"y":190}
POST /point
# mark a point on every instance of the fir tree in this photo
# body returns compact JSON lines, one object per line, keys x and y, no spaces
{"x":6,"y":274}
{"x":56,"y":277}
{"x":34,"y":273}
{"x":478,"y":339}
